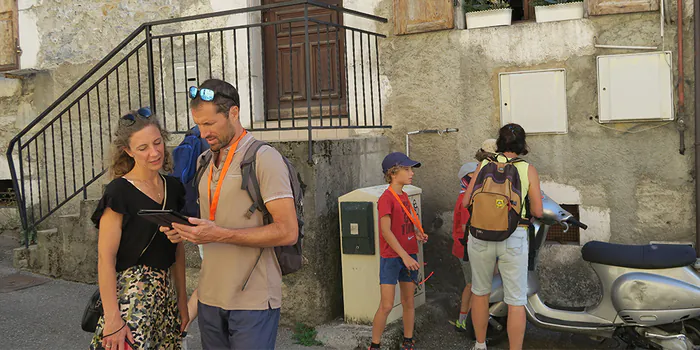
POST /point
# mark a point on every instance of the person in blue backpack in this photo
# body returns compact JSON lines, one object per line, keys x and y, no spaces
{"x":185,"y":158}
{"x":185,"y":168}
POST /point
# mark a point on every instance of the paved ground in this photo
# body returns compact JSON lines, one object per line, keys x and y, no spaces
{"x":47,"y":316}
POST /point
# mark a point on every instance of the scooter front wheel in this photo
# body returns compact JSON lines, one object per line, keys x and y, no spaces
{"x":496,"y":331}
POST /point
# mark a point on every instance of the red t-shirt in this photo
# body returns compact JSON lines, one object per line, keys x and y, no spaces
{"x":460,"y":218}
{"x":401,"y":225}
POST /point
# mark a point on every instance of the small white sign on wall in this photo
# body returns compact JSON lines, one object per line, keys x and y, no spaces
{"x":635,"y":87}
{"x":535,"y":99}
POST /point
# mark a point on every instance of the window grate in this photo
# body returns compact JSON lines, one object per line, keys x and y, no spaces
{"x":556,"y":232}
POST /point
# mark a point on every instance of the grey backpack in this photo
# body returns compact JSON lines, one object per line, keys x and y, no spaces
{"x":289,"y":257}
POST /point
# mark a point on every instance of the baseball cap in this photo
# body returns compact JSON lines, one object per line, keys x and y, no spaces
{"x":400,"y":159}
{"x":466,"y":169}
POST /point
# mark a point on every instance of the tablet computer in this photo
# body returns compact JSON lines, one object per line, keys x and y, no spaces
{"x":164,"y":217}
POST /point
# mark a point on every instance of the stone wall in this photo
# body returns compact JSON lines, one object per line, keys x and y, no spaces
{"x":629,"y":179}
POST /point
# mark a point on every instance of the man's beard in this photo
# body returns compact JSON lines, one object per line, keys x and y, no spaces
{"x":223,"y":143}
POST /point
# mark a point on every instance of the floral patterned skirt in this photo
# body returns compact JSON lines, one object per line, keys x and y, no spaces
{"x":148,"y":304}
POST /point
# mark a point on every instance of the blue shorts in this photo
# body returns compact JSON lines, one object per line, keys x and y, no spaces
{"x":392,"y":270}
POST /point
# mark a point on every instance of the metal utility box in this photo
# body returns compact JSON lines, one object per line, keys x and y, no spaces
{"x":535,"y":99}
{"x":635,"y":87}
{"x":359,"y":241}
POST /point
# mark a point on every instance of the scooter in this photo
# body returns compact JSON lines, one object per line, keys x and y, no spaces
{"x":651,"y":293}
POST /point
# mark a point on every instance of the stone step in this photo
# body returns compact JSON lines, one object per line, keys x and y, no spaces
{"x":49,"y":244}
{"x":25,"y":258}
{"x":79,"y":250}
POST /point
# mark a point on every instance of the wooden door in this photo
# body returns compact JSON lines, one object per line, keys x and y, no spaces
{"x":418,"y":16}
{"x":611,"y":7}
{"x":285,"y":65}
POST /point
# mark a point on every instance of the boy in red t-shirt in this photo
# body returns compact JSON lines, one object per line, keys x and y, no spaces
{"x":398,"y":243}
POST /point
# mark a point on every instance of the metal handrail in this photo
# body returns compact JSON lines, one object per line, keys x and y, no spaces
{"x":91,"y":81}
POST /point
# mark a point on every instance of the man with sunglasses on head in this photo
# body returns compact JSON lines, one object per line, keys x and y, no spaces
{"x":240,"y":283}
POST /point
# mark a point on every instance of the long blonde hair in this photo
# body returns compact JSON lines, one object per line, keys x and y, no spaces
{"x":121,"y":162}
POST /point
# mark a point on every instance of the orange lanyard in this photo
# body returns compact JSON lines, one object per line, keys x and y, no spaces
{"x":214,"y":203}
{"x":412,"y":215}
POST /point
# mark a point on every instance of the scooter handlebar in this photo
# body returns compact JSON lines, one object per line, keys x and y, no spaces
{"x":572,"y":220}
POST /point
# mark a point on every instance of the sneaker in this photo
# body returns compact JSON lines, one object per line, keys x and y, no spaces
{"x":475,"y":348}
{"x":408,"y":345}
{"x":461,"y":326}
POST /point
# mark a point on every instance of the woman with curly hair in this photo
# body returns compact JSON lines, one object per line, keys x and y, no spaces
{"x":143,"y":307}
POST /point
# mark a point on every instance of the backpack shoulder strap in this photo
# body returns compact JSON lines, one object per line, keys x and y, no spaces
{"x":202,"y":162}
{"x":250,"y":182}
{"x":252,"y":152}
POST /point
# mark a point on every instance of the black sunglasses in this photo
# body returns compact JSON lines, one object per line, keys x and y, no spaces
{"x":130,"y":119}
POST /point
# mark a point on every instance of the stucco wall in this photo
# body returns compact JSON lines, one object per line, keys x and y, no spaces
{"x":632,"y":184}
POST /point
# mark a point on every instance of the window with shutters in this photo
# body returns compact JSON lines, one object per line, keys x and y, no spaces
{"x":9,"y":35}
{"x":419,"y":16}
{"x":609,"y":7}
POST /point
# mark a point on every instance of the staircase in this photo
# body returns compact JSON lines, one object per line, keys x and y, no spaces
{"x":57,"y":160}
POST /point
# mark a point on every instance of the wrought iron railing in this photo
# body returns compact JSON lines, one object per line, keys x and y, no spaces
{"x":58,"y":155}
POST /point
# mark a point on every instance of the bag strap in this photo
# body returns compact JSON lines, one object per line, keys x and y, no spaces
{"x":205,"y":159}
{"x":248,"y":173}
{"x":165,"y":200}
{"x":412,"y":215}
{"x":249,"y":176}
{"x":494,"y":158}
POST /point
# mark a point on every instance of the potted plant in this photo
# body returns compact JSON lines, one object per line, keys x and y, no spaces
{"x":557,"y":10}
{"x":487,"y":13}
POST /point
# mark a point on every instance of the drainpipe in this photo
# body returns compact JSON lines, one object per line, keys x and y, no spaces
{"x":681,"y":126}
{"x":696,"y":47}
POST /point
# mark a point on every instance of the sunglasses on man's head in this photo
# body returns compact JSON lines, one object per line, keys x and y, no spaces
{"x":207,"y":94}
{"x":130,"y":119}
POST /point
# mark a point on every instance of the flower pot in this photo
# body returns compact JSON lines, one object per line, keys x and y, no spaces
{"x":489,"y":18}
{"x":559,"y":12}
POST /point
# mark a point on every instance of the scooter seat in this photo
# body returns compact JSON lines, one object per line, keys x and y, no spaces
{"x":650,"y":256}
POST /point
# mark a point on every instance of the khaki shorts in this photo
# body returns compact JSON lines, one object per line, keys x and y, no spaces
{"x":512,"y":263}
